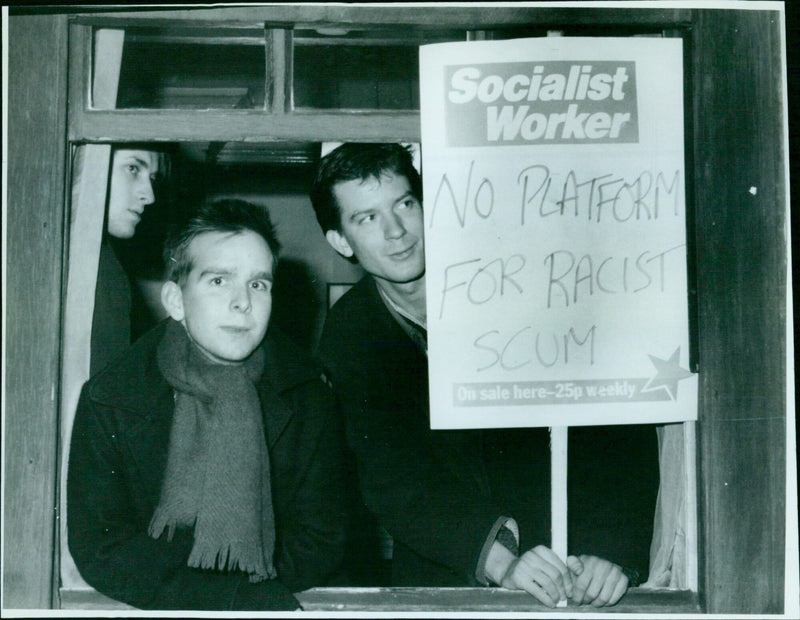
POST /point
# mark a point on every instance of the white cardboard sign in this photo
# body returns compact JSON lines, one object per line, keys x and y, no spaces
{"x":555,"y":232}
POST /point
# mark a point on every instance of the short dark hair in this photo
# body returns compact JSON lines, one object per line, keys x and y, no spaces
{"x":362,"y":161}
{"x":227,"y":215}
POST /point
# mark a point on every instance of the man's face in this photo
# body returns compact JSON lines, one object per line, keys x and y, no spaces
{"x":226,"y":301}
{"x":132,"y":173}
{"x":382,"y":225}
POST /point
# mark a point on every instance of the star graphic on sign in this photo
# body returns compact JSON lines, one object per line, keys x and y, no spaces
{"x":668,"y":374}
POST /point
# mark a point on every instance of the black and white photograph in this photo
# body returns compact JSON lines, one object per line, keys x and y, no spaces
{"x":433,"y":309}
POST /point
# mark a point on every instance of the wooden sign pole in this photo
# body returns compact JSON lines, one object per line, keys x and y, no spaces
{"x":558,"y":493}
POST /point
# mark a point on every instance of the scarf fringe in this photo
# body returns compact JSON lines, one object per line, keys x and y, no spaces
{"x":158,"y":523}
{"x":231,"y":557}
{"x":162,"y":520}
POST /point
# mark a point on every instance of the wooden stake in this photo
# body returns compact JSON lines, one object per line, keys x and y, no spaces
{"x":558,"y":493}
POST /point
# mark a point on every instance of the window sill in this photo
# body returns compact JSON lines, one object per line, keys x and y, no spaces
{"x":637,"y":600}
{"x":497,"y":600}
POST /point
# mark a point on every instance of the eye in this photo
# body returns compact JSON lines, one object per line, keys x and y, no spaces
{"x":217,"y":281}
{"x":409,"y":203}
{"x":261,"y":285}
{"x":366,"y":218}
{"x":133,"y":168}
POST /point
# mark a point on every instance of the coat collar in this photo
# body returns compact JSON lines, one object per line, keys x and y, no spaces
{"x":134,"y":383}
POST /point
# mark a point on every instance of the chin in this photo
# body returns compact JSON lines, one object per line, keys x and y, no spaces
{"x":405,"y":278}
{"x":237,"y":356}
{"x":234,"y":358}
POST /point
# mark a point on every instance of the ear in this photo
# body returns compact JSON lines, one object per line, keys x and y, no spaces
{"x":172,"y":300}
{"x":339,"y":243}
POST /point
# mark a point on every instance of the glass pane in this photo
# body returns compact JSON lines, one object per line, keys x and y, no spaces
{"x":360,"y":69}
{"x":186,"y":68}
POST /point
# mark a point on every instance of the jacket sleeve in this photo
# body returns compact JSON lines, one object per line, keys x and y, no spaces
{"x":310,"y":510}
{"x":108,"y":538}
{"x":411,"y":490}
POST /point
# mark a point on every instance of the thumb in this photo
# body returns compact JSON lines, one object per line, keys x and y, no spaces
{"x":575,"y":565}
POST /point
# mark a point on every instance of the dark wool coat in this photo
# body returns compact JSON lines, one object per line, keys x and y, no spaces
{"x":111,"y":321}
{"x":438,"y":493}
{"x":118,"y":454}
{"x":429,"y":489}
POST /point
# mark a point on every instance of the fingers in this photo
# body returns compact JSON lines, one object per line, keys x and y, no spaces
{"x":615,"y":580}
{"x":563,"y":579}
{"x":585,"y":579}
{"x":543,"y":588}
{"x":542,"y":574}
{"x":521,"y":576}
{"x":574,"y":565}
{"x":601,"y":583}
{"x":579,"y":589}
{"x":619,"y":589}
{"x":600,"y":571}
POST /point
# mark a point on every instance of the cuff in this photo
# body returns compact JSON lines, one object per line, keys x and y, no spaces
{"x":505,"y":531}
{"x":633,"y":576}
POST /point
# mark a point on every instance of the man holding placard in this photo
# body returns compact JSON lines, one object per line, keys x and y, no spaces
{"x":435,"y":492}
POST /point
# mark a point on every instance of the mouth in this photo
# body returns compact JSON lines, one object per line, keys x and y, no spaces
{"x":404,"y":254}
{"x":234,"y":329}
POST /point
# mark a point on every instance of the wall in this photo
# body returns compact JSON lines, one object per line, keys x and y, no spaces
{"x":37,"y":131}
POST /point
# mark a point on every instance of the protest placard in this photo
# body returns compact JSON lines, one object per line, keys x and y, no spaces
{"x":555,"y":222}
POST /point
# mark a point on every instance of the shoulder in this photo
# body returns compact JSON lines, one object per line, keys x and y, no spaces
{"x":287,"y":365}
{"x":362,"y":298}
{"x":358,"y":318}
{"x":133,"y":379}
{"x":294,"y":390}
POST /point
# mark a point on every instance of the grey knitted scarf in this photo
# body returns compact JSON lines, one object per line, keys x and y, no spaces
{"x":217,"y":477}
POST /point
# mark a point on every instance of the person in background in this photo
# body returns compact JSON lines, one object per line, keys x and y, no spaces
{"x":206,"y":468}
{"x":133,"y":173}
{"x":449,"y":499}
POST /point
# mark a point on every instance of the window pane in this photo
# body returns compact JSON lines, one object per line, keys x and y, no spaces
{"x":188,"y":68}
{"x":362,"y":69}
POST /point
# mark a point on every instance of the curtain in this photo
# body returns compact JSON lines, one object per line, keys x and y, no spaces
{"x":90,"y":167}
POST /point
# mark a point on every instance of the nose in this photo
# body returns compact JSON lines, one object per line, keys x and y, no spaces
{"x":145,"y":191}
{"x":393,"y":226}
{"x":240,"y":299}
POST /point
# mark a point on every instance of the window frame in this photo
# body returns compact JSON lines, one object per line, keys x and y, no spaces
{"x":279,"y":120}
{"x":719,"y":427}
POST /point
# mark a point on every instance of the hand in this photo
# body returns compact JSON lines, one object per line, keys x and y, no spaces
{"x":541,"y":573}
{"x":597,"y":581}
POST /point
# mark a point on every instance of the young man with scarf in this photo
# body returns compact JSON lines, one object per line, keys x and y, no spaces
{"x":205,"y":467}
{"x":446,"y":497}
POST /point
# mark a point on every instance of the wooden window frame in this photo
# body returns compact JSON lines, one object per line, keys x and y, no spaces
{"x":742,"y":307}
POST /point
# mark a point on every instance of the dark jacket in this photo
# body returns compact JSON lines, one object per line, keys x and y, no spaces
{"x":111,"y":321}
{"x":117,"y":459}
{"x":429,"y":489}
